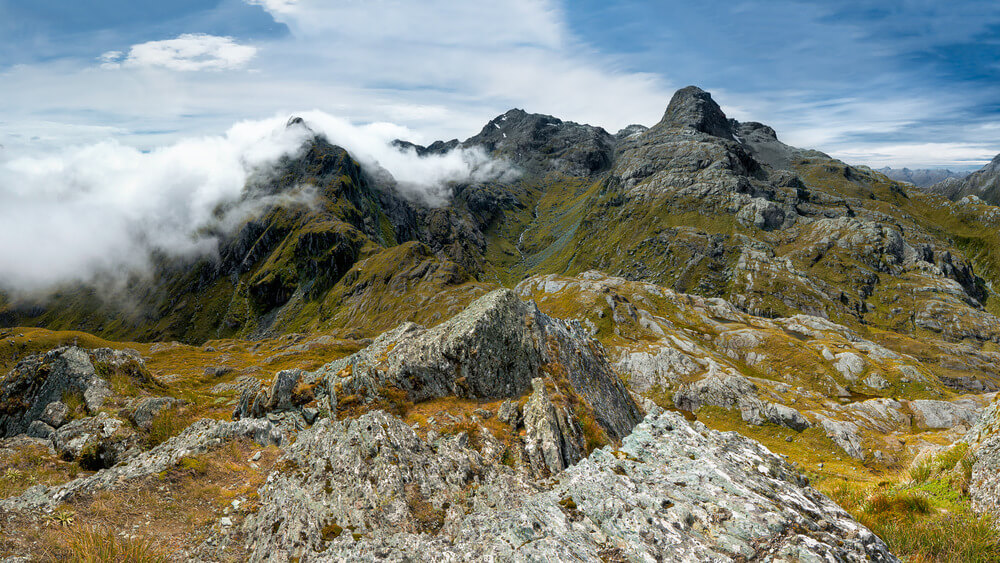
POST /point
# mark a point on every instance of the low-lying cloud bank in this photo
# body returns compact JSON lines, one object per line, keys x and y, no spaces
{"x":102,"y":210}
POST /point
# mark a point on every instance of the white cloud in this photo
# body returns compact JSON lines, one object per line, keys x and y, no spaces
{"x":99,"y":210}
{"x":442,"y":67}
{"x":276,"y":6}
{"x":187,"y":52}
{"x":927,"y":155}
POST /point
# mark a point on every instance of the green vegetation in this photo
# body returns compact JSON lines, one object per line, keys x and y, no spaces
{"x":924,"y":514}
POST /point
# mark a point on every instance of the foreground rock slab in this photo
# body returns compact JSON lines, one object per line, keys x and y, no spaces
{"x":672,"y":492}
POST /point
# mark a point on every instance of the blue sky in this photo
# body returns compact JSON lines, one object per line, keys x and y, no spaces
{"x":908,"y":83}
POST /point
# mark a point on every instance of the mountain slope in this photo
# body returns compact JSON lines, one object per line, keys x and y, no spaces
{"x":983,"y":183}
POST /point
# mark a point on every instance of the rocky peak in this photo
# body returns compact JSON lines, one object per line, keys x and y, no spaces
{"x":752,"y":130}
{"x":541,"y":142}
{"x":629,"y":131}
{"x":437,"y":147}
{"x":693,"y":107}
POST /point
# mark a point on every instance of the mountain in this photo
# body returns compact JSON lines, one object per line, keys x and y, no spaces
{"x":921,"y":177}
{"x":693,"y":203}
{"x":546,"y":365}
{"x":983,"y":183}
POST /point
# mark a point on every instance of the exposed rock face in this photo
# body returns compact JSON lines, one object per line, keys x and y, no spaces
{"x":659,"y":369}
{"x":536,"y":141}
{"x":35,"y":387}
{"x":944,"y":414}
{"x":695,"y":108}
{"x":143,"y":413}
{"x":736,"y":392}
{"x":554,"y":440}
{"x":280,"y":397}
{"x":672,"y":492}
{"x":201,"y":436}
{"x":845,"y":434}
{"x":97,"y":441}
{"x":984,"y":441}
{"x":984,"y":487}
{"x":493,"y":349}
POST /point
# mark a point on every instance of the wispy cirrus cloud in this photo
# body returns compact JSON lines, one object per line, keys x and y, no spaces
{"x":188,"y":52}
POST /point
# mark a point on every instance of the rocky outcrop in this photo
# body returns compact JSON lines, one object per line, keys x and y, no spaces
{"x":281,"y":396}
{"x":96,"y":442}
{"x":984,"y":441}
{"x":37,"y":388}
{"x":984,"y":485}
{"x":491,"y":350}
{"x":198,"y":438}
{"x":541,"y":143}
{"x":673,"y":492}
{"x":845,"y":434}
{"x":693,"y":107}
{"x":61,"y":396}
{"x":146,"y":410}
{"x":553,"y":440}
{"x":929,"y":414}
{"x":736,"y":392}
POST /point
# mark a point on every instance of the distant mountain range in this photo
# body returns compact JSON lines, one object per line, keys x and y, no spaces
{"x":921,"y":177}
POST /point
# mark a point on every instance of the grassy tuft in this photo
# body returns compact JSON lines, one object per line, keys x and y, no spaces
{"x":92,"y":545}
{"x":167,"y":423}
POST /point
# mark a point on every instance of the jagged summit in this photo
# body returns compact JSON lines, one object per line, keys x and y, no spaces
{"x":539,"y":143}
{"x":693,"y":107}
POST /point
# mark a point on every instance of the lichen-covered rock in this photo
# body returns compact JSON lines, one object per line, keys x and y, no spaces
{"x":737,"y":392}
{"x":197,"y":438}
{"x":41,"y":386}
{"x":672,"y":492}
{"x":96,"y":442}
{"x":55,"y":414}
{"x":38,"y":381}
{"x":929,"y":414}
{"x":758,"y":412}
{"x":845,"y":434}
{"x":554,"y":440}
{"x":372,"y":476}
{"x":279,"y":398}
{"x":984,"y":441}
{"x":850,"y":365}
{"x":660,"y":368}
{"x":761,"y":213}
{"x":986,"y":427}
{"x":143,"y":413}
{"x":493,"y":349}
{"x":984,"y":486}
